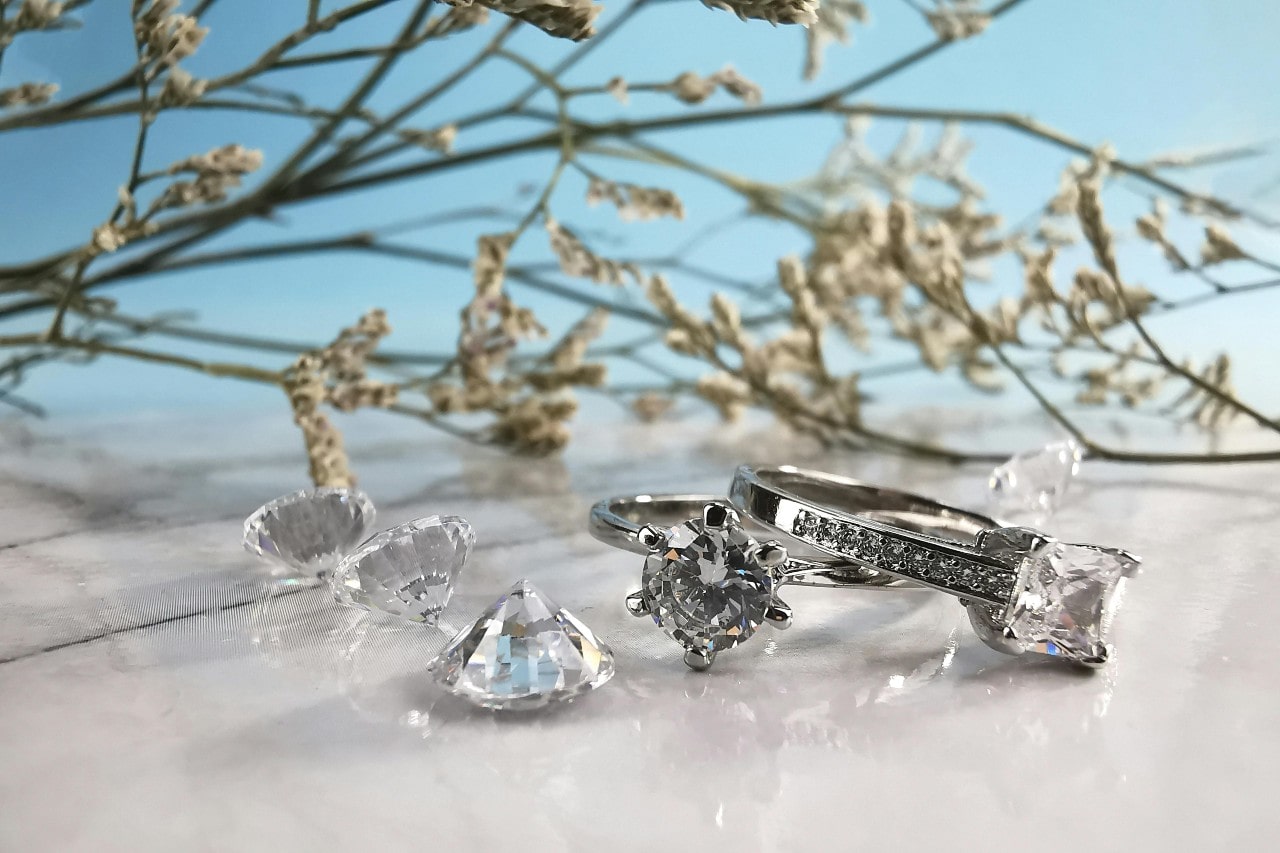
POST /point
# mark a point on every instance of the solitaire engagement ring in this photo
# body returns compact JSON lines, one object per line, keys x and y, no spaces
{"x":707,"y":581}
{"x":1024,"y":590}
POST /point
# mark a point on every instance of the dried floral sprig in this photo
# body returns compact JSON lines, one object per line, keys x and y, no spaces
{"x":902,"y":244}
{"x":635,"y":202}
{"x":336,"y":375}
{"x":570,"y":19}
{"x":27,"y":95}
{"x":803,"y":12}
{"x":954,"y":20}
{"x":692,"y":88}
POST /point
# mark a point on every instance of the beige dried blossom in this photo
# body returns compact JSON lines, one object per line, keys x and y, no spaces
{"x":168,"y":38}
{"x":1151,"y":227}
{"x":635,"y":202}
{"x":617,"y":87}
{"x":37,"y":15}
{"x":833,"y":23}
{"x":1219,"y":247}
{"x":688,"y":334}
{"x":216,"y":172}
{"x":577,"y":260}
{"x":954,"y":20}
{"x":181,"y":89}
{"x":650,"y":406}
{"x":27,"y":95}
{"x":803,"y":12}
{"x":1093,"y":224}
{"x":729,"y":394}
{"x":693,"y":88}
{"x":336,"y":375}
{"x":108,"y":238}
{"x":569,"y":352}
{"x":533,"y":425}
{"x":570,"y":19}
{"x":459,"y":17}
{"x":441,"y":139}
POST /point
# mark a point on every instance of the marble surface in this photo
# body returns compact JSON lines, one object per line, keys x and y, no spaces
{"x":160,"y":689}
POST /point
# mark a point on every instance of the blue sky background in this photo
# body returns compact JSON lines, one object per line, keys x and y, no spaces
{"x":1149,"y":78}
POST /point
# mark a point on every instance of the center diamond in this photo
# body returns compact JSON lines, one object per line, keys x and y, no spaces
{"x":706,"y":587}
{"x":1065,"y":606}
{"x":1066,"y":600}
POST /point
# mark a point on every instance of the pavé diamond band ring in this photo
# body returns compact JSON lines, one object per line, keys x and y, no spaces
{"x":1024,"y":590}
{"x":708,"y":581}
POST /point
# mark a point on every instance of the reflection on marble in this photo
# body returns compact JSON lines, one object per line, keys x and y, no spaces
{"x":162,"y":690}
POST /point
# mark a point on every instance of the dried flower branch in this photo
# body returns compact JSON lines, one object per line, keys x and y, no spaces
{"x":902,"y":243}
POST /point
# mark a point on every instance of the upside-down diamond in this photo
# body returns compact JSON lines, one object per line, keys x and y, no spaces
{"x":309,"y":531}
{"x":407,"y":571}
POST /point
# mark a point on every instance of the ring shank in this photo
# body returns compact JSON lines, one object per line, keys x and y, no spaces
{"x":847,"y":495}
{"x":864,"y":524}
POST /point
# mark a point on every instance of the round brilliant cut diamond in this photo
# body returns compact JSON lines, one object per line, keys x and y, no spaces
{"x":706,"y":588}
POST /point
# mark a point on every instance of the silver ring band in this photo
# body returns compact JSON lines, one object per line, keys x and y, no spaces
{"x":618,"y":521}
{"x":864,"y":524}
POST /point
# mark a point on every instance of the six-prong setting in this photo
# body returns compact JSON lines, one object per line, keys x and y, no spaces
{"x":1064,"y":601}
{"x":708,"y":584}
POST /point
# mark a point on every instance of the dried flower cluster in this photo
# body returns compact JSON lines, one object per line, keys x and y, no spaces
{"x":694,"y":89}
{"x":530,"y":402}
{"x":167,"y":36}
{"x":337,"y":376}
{"x":570,"y":19}
{"x":954,"y":20}
{"x":803,"y":12}
{"x":901,"y":243}
{"x":27,"y":95}
{"x":635,"y":202}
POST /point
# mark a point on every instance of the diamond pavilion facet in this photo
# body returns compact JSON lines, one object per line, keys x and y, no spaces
{"x":309,"y":531}
{"x":523,"y":653}
{"x":706,"y":588}
{"x":407,"y":571}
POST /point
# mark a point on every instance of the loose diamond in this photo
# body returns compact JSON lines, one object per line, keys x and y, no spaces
{"x":706,"y":588}
{"x":407,"y":571}
{"x":1065,"y":606}
{"x":522,"y":653}
{"x":1031,"y":484}
{"x":309,"y":531}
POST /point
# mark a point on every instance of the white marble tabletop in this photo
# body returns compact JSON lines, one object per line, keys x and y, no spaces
{"x":160,"y":689}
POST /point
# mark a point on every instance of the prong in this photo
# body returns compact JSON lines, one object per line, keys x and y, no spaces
{"x":778,"y":615}
{"x":771,"y":554}
{"x":717,"y":515}
{"x":699,"y":660}
{"x":637,"y":604}
{"x":652,"y":537}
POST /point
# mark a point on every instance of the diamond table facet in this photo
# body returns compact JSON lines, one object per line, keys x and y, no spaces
{"x":524,"y":652}
{"x":309,"y":531}
{"x":408,"y":571}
